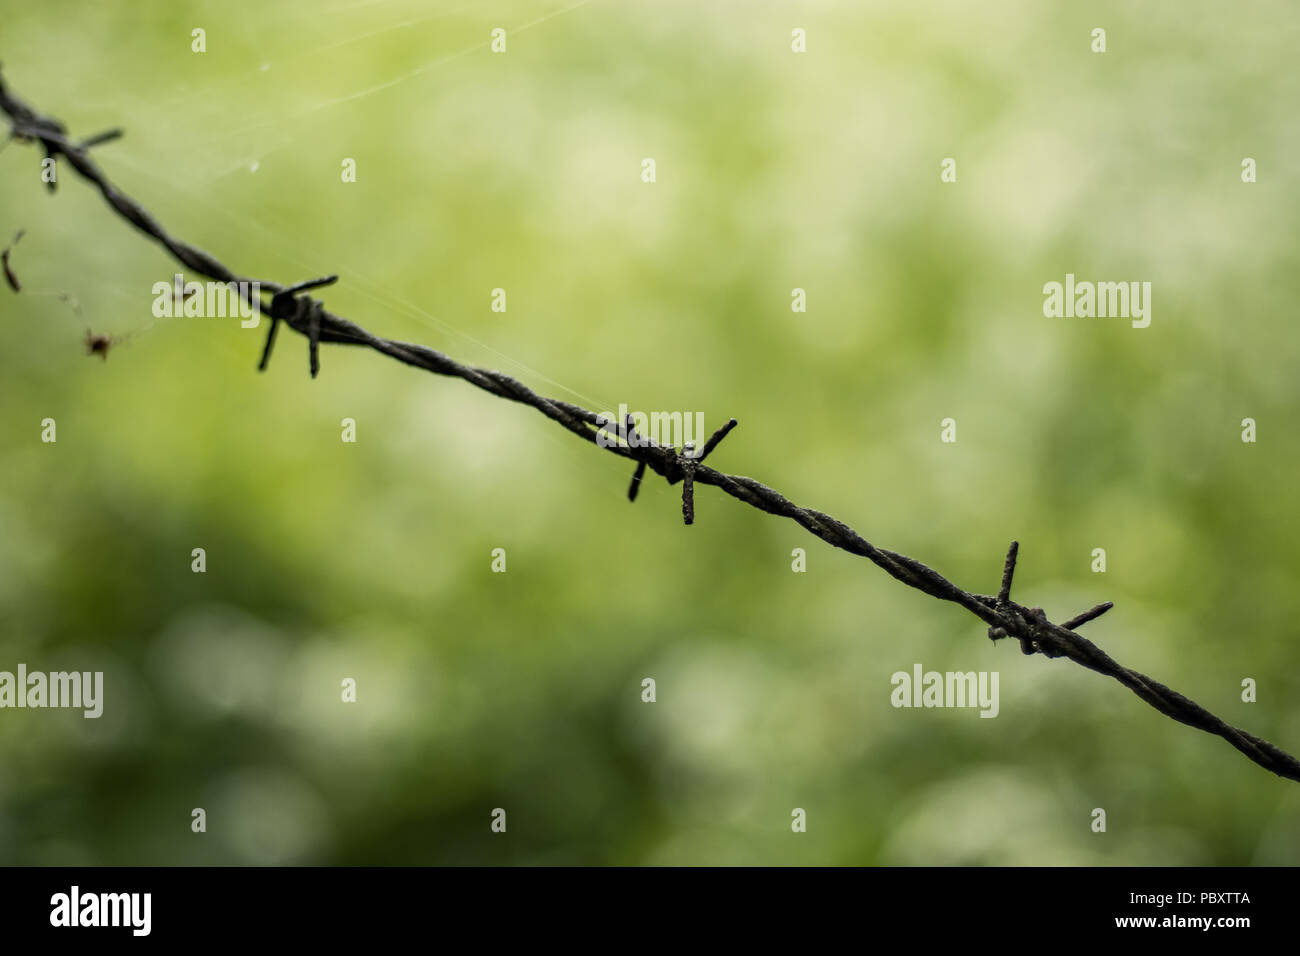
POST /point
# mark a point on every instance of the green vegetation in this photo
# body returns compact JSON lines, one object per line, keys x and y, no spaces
{"x":775,"y":171}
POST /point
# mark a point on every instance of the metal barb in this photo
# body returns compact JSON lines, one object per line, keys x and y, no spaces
{"x":1008,"y":572}
{"x":715,"y":438}
{"x":270,"y":343}
{"x":1086,"y":616}
{"x":629,"y":433}
{"x":100,"y":139}
{"x":290,"y":305}
{"x":688,"y":463}
{"x":313,"y":337}
{"x":637,"y":475}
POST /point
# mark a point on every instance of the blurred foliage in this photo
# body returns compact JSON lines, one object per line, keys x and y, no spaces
{"x":775,"y":170}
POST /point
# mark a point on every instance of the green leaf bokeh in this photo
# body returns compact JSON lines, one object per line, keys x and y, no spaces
{"x":774,"y":171}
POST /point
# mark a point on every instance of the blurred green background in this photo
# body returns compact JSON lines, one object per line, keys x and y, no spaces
{"x":775,"y":170}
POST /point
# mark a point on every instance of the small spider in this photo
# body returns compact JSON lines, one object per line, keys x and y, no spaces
{"x":99,"y":344}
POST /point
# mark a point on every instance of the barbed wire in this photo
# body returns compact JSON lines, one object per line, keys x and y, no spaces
{"x":309,"y":317}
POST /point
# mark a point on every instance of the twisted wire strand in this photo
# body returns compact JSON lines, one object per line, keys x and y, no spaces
{"x":1005,"y":617}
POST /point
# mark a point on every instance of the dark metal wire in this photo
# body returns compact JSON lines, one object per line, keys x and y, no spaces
{"x":1005,"y":617}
